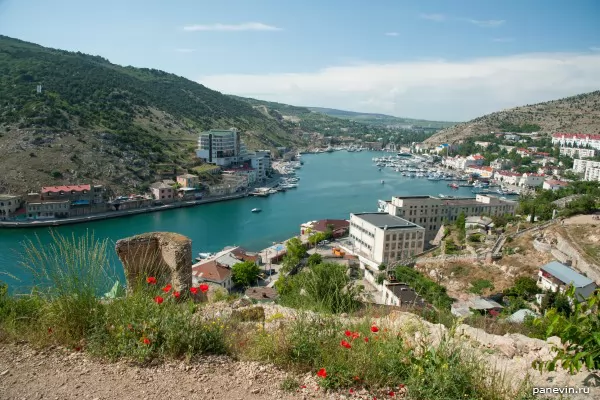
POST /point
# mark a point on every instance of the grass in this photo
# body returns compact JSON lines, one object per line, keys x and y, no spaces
{"x":136,"y":327}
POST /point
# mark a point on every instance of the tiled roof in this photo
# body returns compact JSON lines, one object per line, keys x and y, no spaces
{"x":576,"y":136}
{"x":321,"y":225}
{"x":555,"y":182}
{"x":211,"y":271}
{"x":68,"y":188}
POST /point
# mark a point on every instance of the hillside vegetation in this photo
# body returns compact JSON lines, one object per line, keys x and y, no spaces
{"x":380,"y":119}
{"x":577,"y":114}
{"x":99,"y":122}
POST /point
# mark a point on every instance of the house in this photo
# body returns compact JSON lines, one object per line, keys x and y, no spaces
{"x":532,"y":180}
{"x":501,"y":163}
{"x":555,"y":276}
{"x":162,"y":192}
{"x":188,"y":181}
{"x":476,"y":222}
{"x":508,"y":177}
{"x":476,"y":159}
{"x":484,"y":172}
{"x":464,"y":308}
{"x":553,"y":184}
{"x":589,"y":169}
{"x":400,"y":294}
{"x":524,"y":152}
{"x":48,"y":209}
{"x":79,"y":195}
{"x":212,"y":271}
{"x":339,"y":227}
{"x":482,"y":144}
{"x":511,"y":137}
{"x":9,"y":204}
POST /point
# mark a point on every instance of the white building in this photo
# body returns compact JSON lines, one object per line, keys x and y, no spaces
{"x":577,"y":152}
{"x":532,"y":180}
{"x":553,"y":184}
{"x":48,"y":209}
{"x":8,"y":205}
{"x":221,"y":147}
{"x":508,"y":177}
{"x":484,"y":172}
{"x":501,"y":163}
{"x":589,"y":169}
{"x":576,"y":140}
{"x":555,"y":276}
{"x":261,"y":162}
{"x":384,"y":238}
{"x":512,"y":137}
{"x":430,"y":212}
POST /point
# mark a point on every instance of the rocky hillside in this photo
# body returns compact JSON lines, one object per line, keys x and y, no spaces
{"x":98,"y":122}
{"x":579,"y":113}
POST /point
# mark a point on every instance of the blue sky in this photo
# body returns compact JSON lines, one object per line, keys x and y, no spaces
{"x":451,"y":60}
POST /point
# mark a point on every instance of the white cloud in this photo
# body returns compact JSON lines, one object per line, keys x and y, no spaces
{"x":247,"y":26}
{"x":185,"y":50}
{"x":488,"y":23}
{"x":503,"y":40}
{"x":434,"y":17}
{"x":431,"y":89}
{"x":391,"y":34}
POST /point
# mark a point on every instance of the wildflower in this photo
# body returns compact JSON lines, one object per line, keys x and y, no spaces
{"x":401,"y":386}
{"x":194,"y":290}
{"x":391,"y":393}
{"x":345,"y":344}
{"x":151,"y":280}
{"x":50,"y":331}
{"x":366,"y":340}
{"x":167,"y":288}
{"x":146,"y":341}
{"x":78,"y":348}
{"x":322,"y":373}
{"x":303,"y":386}
{"x":203,"y":288}
{"x":355,"y":335}
{"x":176,"y":294}
{"x":348,"y":333}
{"x":158,"y":300}
{"x":351,"y":391}
{"x":374,"y":329}
{"x":356,"y":378}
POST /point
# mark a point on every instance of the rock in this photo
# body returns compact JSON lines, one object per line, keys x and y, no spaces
{"x":239,"y":303}
{"x":249,"y":314}
{"x":554,"y":341}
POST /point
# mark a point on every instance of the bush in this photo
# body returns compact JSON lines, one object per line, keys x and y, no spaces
{"x":479,"y":285}
{"x":315,"y":259}
{"x":432,"y":292}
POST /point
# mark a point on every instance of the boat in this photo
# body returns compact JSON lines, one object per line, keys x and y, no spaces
{"x":256,"y":210}
{"x":272,"y":191}
{"x":203,"y":256}
{"x":453,"y":185}
{"x":382,"y":181}
{"x":403,"y":154}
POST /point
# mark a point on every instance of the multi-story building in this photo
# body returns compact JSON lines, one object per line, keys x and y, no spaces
{"x":553,"y":184}
{"x":577,"y":152}
{"x":484,"y":172}
{"x":508,"y":177}
{"x":79,"y":193}
{"x":532,"y":180}
{"x":261,"y":162}
{"x":501,"y":163}
{"x":430,"y":212}
{"x":221,"y":147}
{"x":576,"y":140}
{"x":556,"y":277}
{"x":48,"y":209}
{"x":385,"y":238}
{"x":8,"y":205}
{"x":589,"y":169}
{"x":163,"y":192}
{"x":188,"y":181}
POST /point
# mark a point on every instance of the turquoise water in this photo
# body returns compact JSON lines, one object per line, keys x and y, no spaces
{"x":332,"y":185}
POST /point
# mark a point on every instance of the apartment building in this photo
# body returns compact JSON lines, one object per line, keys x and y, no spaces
{"x":576,"y":140}
{"x":508,"y":177}
{"x":532,"y":180}
{"x":430,"y":212}
{"x":385,"y":238}
{"x":80,"y":194}
{"x":589,"y":169}
{"x":48,"y":209}
{"x":221,"y":147}
{"x":261,"y":161}
{"x":8,"y":205}
{"x":577,"y":152}
{"x":501,"y":163}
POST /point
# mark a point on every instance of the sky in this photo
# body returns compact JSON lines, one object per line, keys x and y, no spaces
{"x":431,"y":59}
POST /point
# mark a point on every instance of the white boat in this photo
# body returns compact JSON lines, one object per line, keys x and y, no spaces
{"x":205,"y":255}
{"x":256,"y":210}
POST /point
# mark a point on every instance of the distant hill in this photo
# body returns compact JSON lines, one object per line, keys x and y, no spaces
{"x":577,"y":114}
{"x":98,"y":122}
{"x":381,"y":119}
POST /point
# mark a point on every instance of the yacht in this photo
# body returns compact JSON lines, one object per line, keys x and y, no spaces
{"x":256,"y":210}
{"x":203,"y":256}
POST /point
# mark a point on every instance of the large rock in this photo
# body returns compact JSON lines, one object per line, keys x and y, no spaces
{"x":165,"y":255}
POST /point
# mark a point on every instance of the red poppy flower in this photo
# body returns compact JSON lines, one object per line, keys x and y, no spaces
{"x":391,"y":393}
{"x":158,"y":300}
{"x":374,"y":329}
{"x":348,"y":333}
{"x":351,"y":391}
{"x":366,"y":340}
{"x":303,"y":386}
{"x":401,"y":386}
{"x":322,"y":373}
{"x":176,"y":294}
{"x":345,"y":344}
{"x":78,"y":348}
{"x":356,"y":378}
{"x":167,"y":288}
{"x":203,"y":288}
{"x":355,"y":335}
{"x":151,"y":280}
{"x":146,"y":341}
{"x":194,"y":290}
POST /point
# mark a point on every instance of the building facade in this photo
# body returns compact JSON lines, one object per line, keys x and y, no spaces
{"x":576,"y":140}
{"x":577,"y":152}
{"x":188,"y":181}
{"x":163,"y":192}
{"x":501,"y":163}
{"x":556,"y":277}
{"x":589,"y":169}
{"x":261,"y":163}
{"x":8,"y":205}
{"x":532,"y":180}
{"x":221,"y":147}
{"x":430,"y":212}
{"x":48,"y":209}
{"x":384,"y":238}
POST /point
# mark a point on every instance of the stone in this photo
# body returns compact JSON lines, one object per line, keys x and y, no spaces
{"x":159,"y":254}
{"x":239,"y":303}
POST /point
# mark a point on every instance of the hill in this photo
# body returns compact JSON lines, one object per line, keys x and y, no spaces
{"x":579,"y":114}
{"x":98,"y":122}
{"x":381,"y":119}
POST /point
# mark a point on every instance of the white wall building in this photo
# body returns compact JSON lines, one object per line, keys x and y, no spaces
{"x":555,"y":276}
{"x":553,"y":184}
{"x":576,"y":140}
{"x":532,"y":180}
{"x":508,"y":177}
{"x":221,"y":147}
{"x":8,"y":205}
{"x":589,"y":169}
{"x":501,"y":163}
{"x":261,"y":162}
{"x":430,"y":212}
{"x":384,"y":238}
{"x":577,"y":152}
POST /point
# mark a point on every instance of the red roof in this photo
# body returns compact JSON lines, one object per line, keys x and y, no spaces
{"x":576,"y":136}
{"x":508,"y":173}
{"x":321,"y":225}
{"x":211,"y":271}
{"x":478,"y":157}
{"x":555,"y":182}
{"x":56,"y":189}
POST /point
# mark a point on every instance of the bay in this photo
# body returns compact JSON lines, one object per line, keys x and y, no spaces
{"x":332,"y":185}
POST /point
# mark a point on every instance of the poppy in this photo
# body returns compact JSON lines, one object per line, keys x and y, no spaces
{"x":203,"y":288}
{"x":351,"y":390}
{"x":176,"y":294}
{"x":366,"y":340}
{"x":167,"y":288}
{"x":194,"y":290}
{"x":391,"y":393}
{"x":355,"y":335}
{"x":158,"y":300}
{"x":146,"y":341}
{"x":345,"y":344}
{"x":303,"y":386}
{"x":348,"y":333}
{"x":322,"y":373}
{"x":374,"y":329}
{"x":401,"y":386}
{"x":151,"y":280}
{"x":50,"y":331}
{"x":356,"y":378}
{"x":78,"y":348}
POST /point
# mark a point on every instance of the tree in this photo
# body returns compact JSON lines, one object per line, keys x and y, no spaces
{"x":295,"y":248}
{"x":245,"y":273}
{"x":460,"y":226}
{"x":315,"y":259}
{"x":524,"y":288}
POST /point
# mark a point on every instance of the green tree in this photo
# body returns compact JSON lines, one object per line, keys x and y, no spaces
{"x":315,"y":259}
{"x":479,"y":285}
{"x":524,"y":288}
{"x":245,"y":273}
{"x":295,"y":248}
{"x":460,"y":226}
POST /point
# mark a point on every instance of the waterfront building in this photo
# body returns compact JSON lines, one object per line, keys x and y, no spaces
{"x":576,"y":140}
{"x":385,"y":238}
{"x":556,"y":277}
{"x":82,"y":194}
{"x":501,"y":163}
{"x":553,"y":184}
{"x":163,"y":192}
{"x":48,"y":209}
{"x":508,"y":177}
{"x":9,"y":204}
{"x":261,"y":162}
{"x":212,"y":271}
{"x":430,"y":212}
{"x":188,"y":181}
{"x":221,"y":147}
{"x":484,"y":172}
{"x":589,"y":169}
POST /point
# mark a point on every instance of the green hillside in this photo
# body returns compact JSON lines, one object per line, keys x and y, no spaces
{"x":100,"y":122}
{"x":381,"y":119}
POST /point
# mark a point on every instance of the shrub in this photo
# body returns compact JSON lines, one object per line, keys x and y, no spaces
{"x":432,"y":292}
{"x":479,"y":285}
